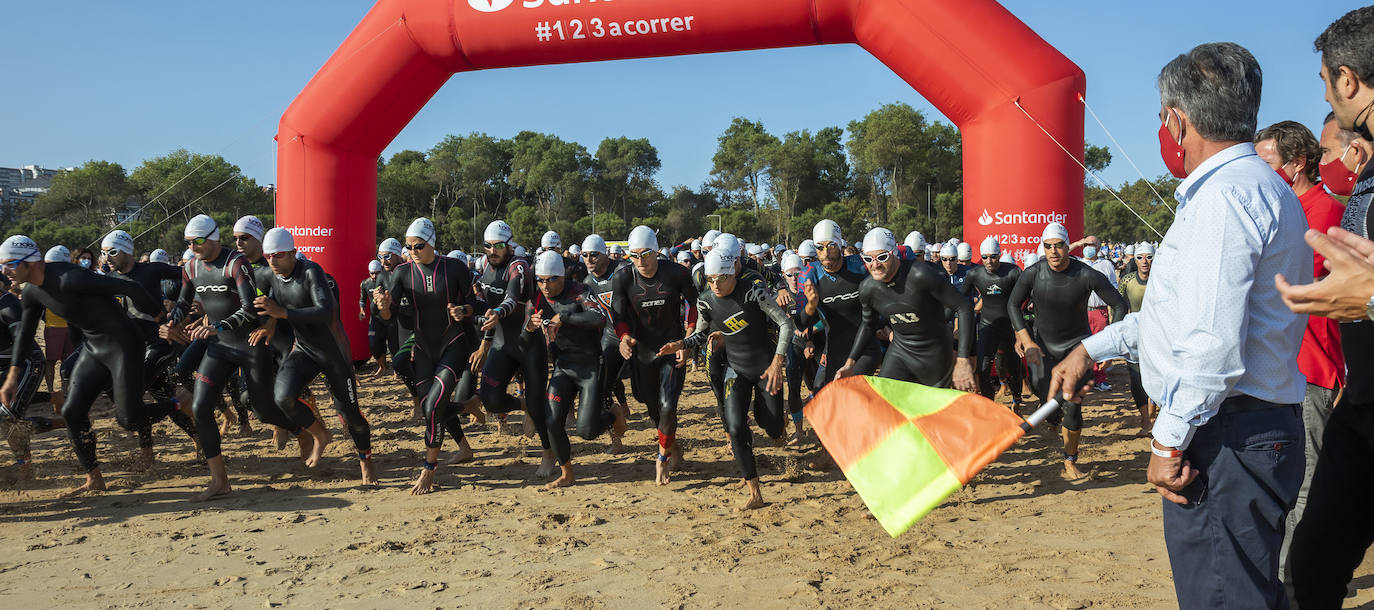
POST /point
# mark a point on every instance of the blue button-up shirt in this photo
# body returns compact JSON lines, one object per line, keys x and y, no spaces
{"x":1212,"y":324}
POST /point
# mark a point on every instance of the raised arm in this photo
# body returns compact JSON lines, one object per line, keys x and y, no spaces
{"x":322,"y":307}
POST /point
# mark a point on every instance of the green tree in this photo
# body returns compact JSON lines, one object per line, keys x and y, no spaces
{"x":552,"y":173}
{"x":181,"y":184}
{"x":94,"y":190}
{"x":624,"y":175}
{"x":740,"y":164}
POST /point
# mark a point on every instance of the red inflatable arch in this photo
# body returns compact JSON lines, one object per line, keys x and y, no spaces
{"x":970,"y":58}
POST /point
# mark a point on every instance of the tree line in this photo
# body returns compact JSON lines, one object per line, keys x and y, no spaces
{"x":894,"y":167}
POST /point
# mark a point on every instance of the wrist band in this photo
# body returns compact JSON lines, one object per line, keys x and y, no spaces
{"x":1164,"y":453}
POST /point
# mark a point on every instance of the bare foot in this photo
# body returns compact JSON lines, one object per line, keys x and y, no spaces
{"x":322,"y":440}
{"x":566,"y":480}
{"x":91,"y":485}
{"x":307,"y":444}
{"x":473,"y":407}
{"x":617,"y":447}
{"x":144,"y":461}
{"x":1071,"y":471}
{"x":280,"y":437}
{"x":226,"y":427}
{"x":675,"y":458}
{"x":547,"y":465}
{"x":661,"y":472}
{"x":369,"y":471}
{"x":464,"y":455}
{"x":217,"y":489}
{"x":56,"y":398}
{"x":622,"y":420}
{"x":754,"y":502}
{"x":418,"y":414}
{"x":795,"y":439}
{"x":424,"y":484}
{"x":246,"y":429}
{"x":26,"y":470}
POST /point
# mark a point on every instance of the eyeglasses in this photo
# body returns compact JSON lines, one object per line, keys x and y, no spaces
{"x":277,"y":255}
{"x":791,"y":275}
{"x":591,"y":254}
{"x":500,"y":245}
{"x":1144,"y":257}
{"x":416,"y":247}
{"x":1059,"y":245}
{"x":716,"y":279}
{"x":947,"y":259}
{"x":881,"y":257}
{"x":242,"y":238}
{"x":828,"y":245}
{"x":386,"y":256}
{"x":112,"y":252}
{"x":10,"y":265}
{"x":547,"y":280}
{"x":197,"y":241}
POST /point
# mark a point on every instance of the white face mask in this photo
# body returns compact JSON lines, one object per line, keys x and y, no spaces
{"x":84,"y":262}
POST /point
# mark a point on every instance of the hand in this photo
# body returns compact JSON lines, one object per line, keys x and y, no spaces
{"x":627,"y":347}
{"x":681,"y":359}
{"x":204,"y":331}
{"x":715,"y":340}
{"x":809,"y":351}
{"x":362,"y":316}
{"x":382,"y":298}
{"x":773,"y":377}
{"x":270,"y":308}
{"x":555,"y":323}
{"x":10,"y":390}
{"x":478,"y":358}
{"x":491,"y":322}
{"x":884,"y":334}
{"x":174,"y":332}
{"x":669,"y":348}
{"x":534,"y":323}
{"x":458,"y":312}
{"x":262,"y":336}
{"x":1170,"y":475}
{"x":846,"y":370}
{"x":1344,"y":293}
{"x":1067,"y":374}
{"x":785,"y":299}
{"x":813,"y":298}
{"x":977,"y":306}
{"x":963,"y":375}
{"x":197,"y":308}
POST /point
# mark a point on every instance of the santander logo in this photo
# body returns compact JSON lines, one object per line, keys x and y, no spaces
{"x":489,"y":6}
{"x":984,"y":220}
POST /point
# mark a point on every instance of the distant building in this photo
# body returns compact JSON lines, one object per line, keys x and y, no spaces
{"x":23,"y":185}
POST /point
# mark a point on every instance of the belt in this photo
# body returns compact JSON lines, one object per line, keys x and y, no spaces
{"x":1243,"y":403}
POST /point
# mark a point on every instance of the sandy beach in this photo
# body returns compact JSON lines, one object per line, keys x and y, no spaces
{"x":490,"y":537}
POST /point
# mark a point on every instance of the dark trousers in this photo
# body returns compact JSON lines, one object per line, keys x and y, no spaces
{"x":1336,"y":527}
{"x":1224,"y":544}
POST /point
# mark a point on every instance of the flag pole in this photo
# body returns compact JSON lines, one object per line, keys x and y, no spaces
{"x":1039,"y":416}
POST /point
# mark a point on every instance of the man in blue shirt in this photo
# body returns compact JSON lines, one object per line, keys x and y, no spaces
{"x":1216,"y":344}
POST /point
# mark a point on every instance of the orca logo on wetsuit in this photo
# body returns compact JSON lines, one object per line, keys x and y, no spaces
{"x":905,"y":318}
{"x":735,"y":323}
{"x":214,"y":288}
{"x":841,"y":297}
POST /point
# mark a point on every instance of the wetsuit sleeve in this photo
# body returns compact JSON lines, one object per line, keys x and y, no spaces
{"x":363,"y":293}
{"x":248,"y":290}
{"x":95,"y":283}
{"x":1019,"y":294}
{"x":967,"y":287}
{"x":702,"y":331}
{"x":28,"y":325}
{"x":518,"y":282}
{"x":182,"y":307}
{"x":620,"y":304}
{"x":1102,"y":285}
{"x":322,"y":305}
{"x":589,"y":315}
{"x":689,"y":296}
{"x":867,"y":325}
{"x":951,"y":299}
{"x":779,"y":317}
{"x":803,"y":320}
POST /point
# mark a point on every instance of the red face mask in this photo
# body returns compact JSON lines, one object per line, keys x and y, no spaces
{"x":1286,"y":179}
{"x":1171,"y":150}
{"x":1339,"y":179}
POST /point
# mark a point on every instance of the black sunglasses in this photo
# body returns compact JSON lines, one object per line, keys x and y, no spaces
{"x":242,"y":238}
{"x":415,"y":247}
{"x":946,"y":259}
{"x":881,"y":257}
{"x":546,"y":280}
{"x":591,"y":254}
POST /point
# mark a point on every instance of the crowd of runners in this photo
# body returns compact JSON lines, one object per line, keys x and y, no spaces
{"x":241,"y":326}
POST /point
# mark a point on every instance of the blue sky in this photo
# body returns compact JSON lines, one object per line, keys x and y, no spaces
{"x":127,"y":81}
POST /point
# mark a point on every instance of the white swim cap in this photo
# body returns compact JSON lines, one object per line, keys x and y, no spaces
{"x":1055,"y":230}
{"x":879,"y":238}
{"x":160,"y":256}
{"x":422,"y":228}
{"x":550,"y":240}
{"x":188,"y":255}
{"x":949,"y":251}
{"x":755,"y":249}
{"x":807,"y":249}
{"x":696,"y":244}
{"x":730,"y":245}
{"x":643,"y":237}
{"x":915,"y":241}
{"x":57,"y":254}
{"x":1144,"y":248}
{"x":965,"y":251}
{"x":278,"y":240}
{"x":119,"y":240}
{"x":202,"y":226}
{"x":374,"y":266}
{"x":391,"y":245}
{"x":549,"y":263}
{"x":990,"y":247}
{"x":250,"y":225}
{"x":498,"y":230}
{"x":684,"y":256}
{"x":719,"y":263}
{"x":1007,"y":258}
{"x":594,"y":243}
{"x":709,"y":240}
{"x":575,"y":250}
{"x":19,"y":249}
{"x":826,"y":231}
{"x":1130,"y":251}
{"x":617,"y":249}
{"x":791,"y":261}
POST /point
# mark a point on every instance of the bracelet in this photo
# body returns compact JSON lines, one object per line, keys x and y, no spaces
{"x":1164,"y":453}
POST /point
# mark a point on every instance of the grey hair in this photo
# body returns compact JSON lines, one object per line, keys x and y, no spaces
{"x":1217,"y":85}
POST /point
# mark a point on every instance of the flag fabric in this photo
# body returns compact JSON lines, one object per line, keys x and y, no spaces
{"x":906,"y":447}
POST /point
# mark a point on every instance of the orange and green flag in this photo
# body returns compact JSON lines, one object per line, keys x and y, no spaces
{"x":906,"y":447}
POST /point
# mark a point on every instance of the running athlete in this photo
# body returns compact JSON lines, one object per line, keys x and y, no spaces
{"x":111,"y":356}
{"x":431,"y":296}
{"x":1059,"y":285}
{"x":220,"y":280}
{"x":300,"y":295}
{"x":573,"y":322}
{"x":390,"y":254}
{"x":830,"y":291}
{"x":16,"y":425}
{"x":992,"y":282}
{"x":791,"y":269}
{"x":737,"y":311}
{"x":912,"y":297}
{"x":367,"y":310}
{"x":647,"y":299}
{"x":600,"y":270}
{"x":507,"y":284}
{"x":117,"y":252}
{"x":1132,"y":288}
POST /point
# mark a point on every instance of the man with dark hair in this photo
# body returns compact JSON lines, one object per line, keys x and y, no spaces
{"x":1217,"y":347}
{"x":1335,"y":529}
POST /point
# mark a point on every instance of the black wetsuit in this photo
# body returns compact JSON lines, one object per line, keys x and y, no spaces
{"x":312,"y":310}
{"x":376,"y":330}
{"x":843,"y":316}
{"x":612,"y":363}
{"x":30,"y":376}
{"x":996,"y":341}
{"x":576,"y":353}
{"x":574,"y":270}
{"x":507,"y":288}
{"x":743,"y":317}
{"x":225,"y":288}
{"x":111,"y":356}
{"x":1061,"y":320}
{"x":913,"y":302}
{"x":158,"y":354}
{"x":420,"y":296}
{"x":650,"y":310}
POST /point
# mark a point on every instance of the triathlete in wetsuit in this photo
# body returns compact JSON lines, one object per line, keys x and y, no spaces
{"x":739,"y":310}
{"x":507,"y":285}
{"x":1059,"y":285}
{"x":16,"y":425}
{"x":600,"y":270}
{"x":573,"y":321}
{"x":435,"y":294}
{"x":647,"y":299}
{"x":117,"y":250}
{"x":112,"y":354}
{"x":830,"y":293}
{"x":221,"y":280}
{"x":390,"y":254}
{"x":992,"y":282}
{"x":912,"y":298}
{"x":299,"y":294}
